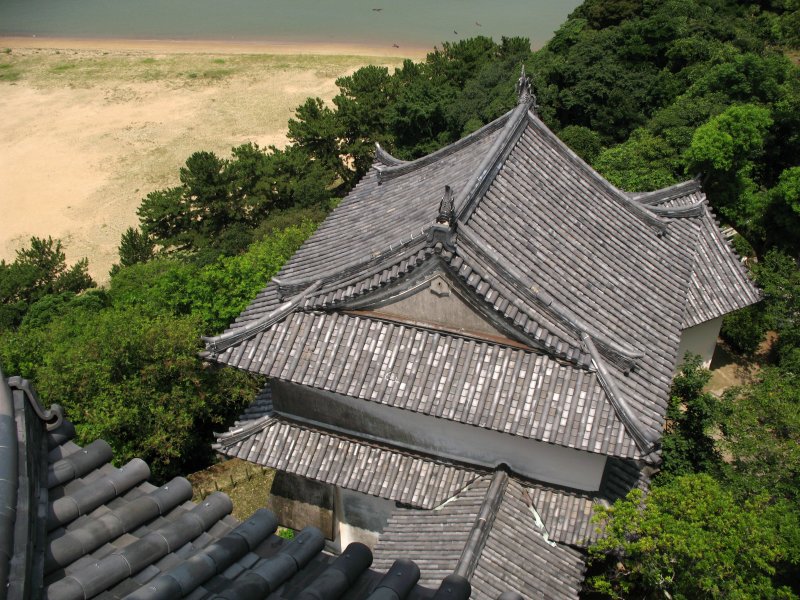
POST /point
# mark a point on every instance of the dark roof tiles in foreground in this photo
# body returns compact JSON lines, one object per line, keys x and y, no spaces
{"x":75,"y":527}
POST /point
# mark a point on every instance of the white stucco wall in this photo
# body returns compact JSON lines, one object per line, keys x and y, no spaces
{"x":359,"y":518}
{"x":440,"y":437}
{"x":700,"y":339}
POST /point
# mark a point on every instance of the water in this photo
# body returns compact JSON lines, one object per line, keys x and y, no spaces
{"x":420,"y":23}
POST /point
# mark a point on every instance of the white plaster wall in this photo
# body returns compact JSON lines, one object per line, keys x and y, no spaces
{"x":359,"y":518}
{"x":441,"y":437}
{"x":700,"y":339}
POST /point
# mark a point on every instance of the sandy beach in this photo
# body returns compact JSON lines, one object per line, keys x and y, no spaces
{"x":91,"y":126}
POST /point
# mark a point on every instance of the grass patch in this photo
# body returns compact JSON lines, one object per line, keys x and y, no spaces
{"x":63,"y":67}
{"x":8,"y":72}
{"x":217,"y":73}
{"x":46,"y":68}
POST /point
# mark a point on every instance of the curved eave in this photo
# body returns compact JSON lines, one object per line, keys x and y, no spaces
{"x":385,"y":173}
{"x":386,"y":159}
{"x":666,"y":194}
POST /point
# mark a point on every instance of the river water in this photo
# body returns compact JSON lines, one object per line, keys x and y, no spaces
{"x":419,"y":23}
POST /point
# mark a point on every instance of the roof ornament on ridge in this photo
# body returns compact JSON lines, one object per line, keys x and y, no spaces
{"x":443,"y":230}
{"x":447,"y":207}
{"x":524,"y":93}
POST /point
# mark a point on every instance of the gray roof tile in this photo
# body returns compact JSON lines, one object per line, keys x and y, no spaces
{"x":534,"y":396}
{"x":720,"y":283}
{"x":488,"y":532}
{"x":351,"y":463}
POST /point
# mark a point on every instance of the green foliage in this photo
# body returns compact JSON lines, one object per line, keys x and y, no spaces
{"x":134,"y":247}
{"x":583,"y":141}
{"x":221,"y":202}
{"x":779,"y":279}
{"x":691,"y":539}
{"x":728,"y":142}
{"x":37,"y":271}
{"x":641,"y":164}
{"x":744,"y":330}
{"x":220,"y":291}
{"x":133,"y":379}
{"x":760,"y":424}
{"x":782,"y":211}
{"x":687,"y":445}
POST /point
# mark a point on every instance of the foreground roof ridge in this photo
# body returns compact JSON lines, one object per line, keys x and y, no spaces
{"x":483,"y":525}
{"x":79,"y":527}
{"x":8,"y":480}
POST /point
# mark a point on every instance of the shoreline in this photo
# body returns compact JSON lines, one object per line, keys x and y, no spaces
{"x":178,"y":46}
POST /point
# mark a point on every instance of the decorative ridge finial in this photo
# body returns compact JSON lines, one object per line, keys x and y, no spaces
{"x":524,"y":94}
{"x":447,"y":207}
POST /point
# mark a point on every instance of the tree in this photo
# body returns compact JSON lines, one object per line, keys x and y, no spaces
{"x":725,"y":149}
{"x":316,"y":130}
{"x":760,"y":425}
{"x":362,"y":104}
{"x":687,"y":445}
{"x":37,"y":271}
{"x":783,"y":210}
{"x":641,"y":164}
{"x":583,"y":141}
{"x":134,"y":247}
{"x":691,"y":539}
{"x":134,"y":379}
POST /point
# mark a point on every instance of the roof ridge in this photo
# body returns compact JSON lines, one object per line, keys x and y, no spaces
{"x":9,"y":480}
{"x":668,"y":193}
{"x":645,"y":438}
{"x":679,"y":212}
{"x":402,"y":167}
{"x":634,"y":207}
{"x":355,"y":266}
{"x":467,"y":199}
{"x":387,"y":159}
{"x":482,"y":525}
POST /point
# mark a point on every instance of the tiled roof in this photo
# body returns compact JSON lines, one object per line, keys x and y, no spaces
{"x":567,"y":514}
{"x":350,"y":463}
{"x":73,"y":526}
{"x":565,"y":262}
{"x":444,"y":375}
{"x":720,"y":283}
{"x":490,"y":523}
{"x":265,"y":438}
